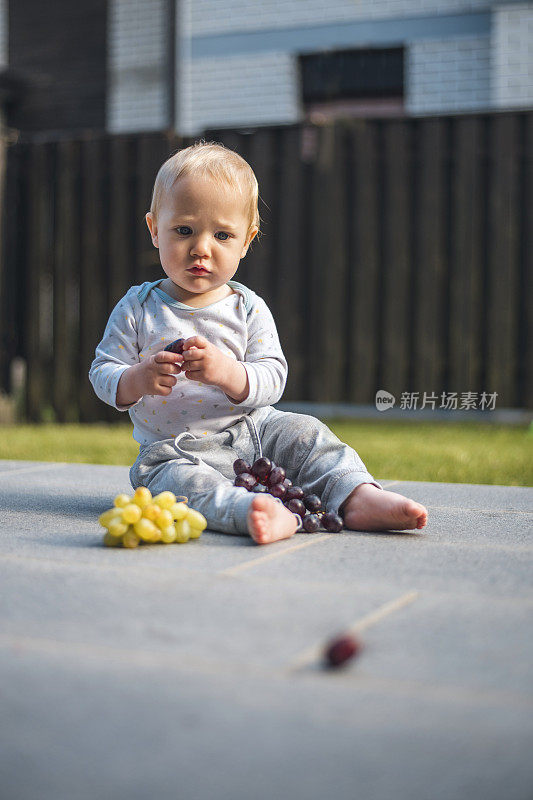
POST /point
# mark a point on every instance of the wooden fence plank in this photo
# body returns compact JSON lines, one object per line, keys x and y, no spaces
{"x":13,"y":275}
{"x":4,"y":357}
{"x":429,"y":300}
{"x":503,"y":278}
{"x":66,"y":254}
{"x":103,"y":192}
{"x":121,"y":216}
{"x":363,"y":258}
{"x":397,"y":292}
{"x":327,"y":268}
{"x":465,"y":267}
{"x":524,"y":346}
{"x":308,"y":352}
{"x":93,"y":289}
{"x":40,"y":223}
{"x":288,"y":268}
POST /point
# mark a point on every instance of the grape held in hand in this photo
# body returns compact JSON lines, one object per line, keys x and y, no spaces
{"x":176,"y":346}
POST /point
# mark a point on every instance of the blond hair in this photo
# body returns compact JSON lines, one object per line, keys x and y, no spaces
{"x":218,"y":162}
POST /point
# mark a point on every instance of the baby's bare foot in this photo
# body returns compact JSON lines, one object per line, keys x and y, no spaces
{"x":371,"y":509}
{"x":269,"y":521}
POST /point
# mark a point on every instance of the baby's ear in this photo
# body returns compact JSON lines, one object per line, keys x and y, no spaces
{"x":152,"y":227}
{"x":251,"y":235}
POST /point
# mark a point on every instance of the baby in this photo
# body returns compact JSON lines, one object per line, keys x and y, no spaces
{"x":196,"y":413}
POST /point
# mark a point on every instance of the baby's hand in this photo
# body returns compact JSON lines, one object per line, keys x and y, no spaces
{"x":204,"y":362}
{"x":159,"y":372}
{"x":154,"y":375}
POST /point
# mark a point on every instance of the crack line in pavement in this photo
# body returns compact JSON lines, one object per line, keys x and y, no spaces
{"x":252,"y":562}
{"x":315,"y":653}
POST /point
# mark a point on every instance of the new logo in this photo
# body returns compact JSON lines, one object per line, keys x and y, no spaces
{"x":384,"y":400}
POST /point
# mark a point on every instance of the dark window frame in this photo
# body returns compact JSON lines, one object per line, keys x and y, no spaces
{"x":357,"y":73}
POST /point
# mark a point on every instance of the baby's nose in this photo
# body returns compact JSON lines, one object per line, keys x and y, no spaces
{"x":200,"y":246}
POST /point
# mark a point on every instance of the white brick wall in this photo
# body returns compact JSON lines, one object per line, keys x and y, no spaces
{"x":512,"y":56}
{"x":448,"y":75}
{"x":3,"y":33}
{"x":443,"y":72}
{"x":136,"y":96}
{"x":223,"y":16}
{"x":233,"y":91}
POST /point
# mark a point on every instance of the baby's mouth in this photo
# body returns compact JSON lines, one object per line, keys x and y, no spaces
{"x":198,"y":270}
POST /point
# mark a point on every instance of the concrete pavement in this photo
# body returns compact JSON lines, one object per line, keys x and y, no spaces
{"x":195,"y":671}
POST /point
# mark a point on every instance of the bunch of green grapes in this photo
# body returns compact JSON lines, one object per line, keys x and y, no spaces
{"x":143,"y":518}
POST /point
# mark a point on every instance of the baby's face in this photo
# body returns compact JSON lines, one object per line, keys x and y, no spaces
{"x":202,"y":233}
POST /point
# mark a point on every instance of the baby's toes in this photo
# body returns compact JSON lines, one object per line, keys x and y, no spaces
{"x":422,"y":519}
{"x":258,"y":527}
{"x":416,"y":513}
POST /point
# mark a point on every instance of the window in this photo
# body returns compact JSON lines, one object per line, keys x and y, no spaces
{"x":353,"y":82}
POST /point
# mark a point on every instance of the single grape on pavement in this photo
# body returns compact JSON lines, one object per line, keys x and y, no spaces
{"x":341,"y":649}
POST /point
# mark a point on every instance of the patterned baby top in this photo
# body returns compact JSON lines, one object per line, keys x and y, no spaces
{"x":147,"y":319}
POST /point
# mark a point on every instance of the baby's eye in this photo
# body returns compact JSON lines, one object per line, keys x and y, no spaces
{"x":184,"y":230}
{"x":225,"y":235}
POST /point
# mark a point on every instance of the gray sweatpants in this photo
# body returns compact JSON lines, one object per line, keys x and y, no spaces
{"x":202,"y":468}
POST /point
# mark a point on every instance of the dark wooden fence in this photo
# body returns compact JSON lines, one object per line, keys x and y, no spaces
{"x":396,"y":255}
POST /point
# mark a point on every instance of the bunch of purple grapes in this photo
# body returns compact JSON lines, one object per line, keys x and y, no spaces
{"x":264,"y":472}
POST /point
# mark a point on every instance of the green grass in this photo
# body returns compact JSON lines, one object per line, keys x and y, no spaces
{"x":448,"y":452}
{"x":451,"y":452}
{"x":87,"y":444}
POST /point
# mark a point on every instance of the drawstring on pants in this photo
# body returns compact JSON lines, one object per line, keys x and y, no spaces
{"x":252,"y":428}
{"x":254,"y":435}
{"x":183,"y":453}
